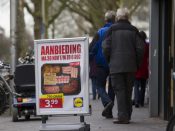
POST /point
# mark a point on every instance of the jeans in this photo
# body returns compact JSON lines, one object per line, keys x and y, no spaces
{"x":139,"y":91}
{"x":94,"y":88}
{"x":102,"y":92}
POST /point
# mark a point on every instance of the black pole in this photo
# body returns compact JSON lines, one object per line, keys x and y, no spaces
{"x":81,"y":118}
{"x":43,"y":119}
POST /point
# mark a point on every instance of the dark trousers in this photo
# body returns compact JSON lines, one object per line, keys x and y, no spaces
{"x":139,"y":91}
{"x":111,"y":93}
{"x":122,"y":84}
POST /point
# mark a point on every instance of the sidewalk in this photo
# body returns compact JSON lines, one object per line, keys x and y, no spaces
{"x":140,"y":121}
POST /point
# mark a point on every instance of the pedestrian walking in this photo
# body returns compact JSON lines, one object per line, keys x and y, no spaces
{"x":93,"y":71}
{"x":102,"y":68}
{"x":141,"y":75}
{"x":123,"y":49}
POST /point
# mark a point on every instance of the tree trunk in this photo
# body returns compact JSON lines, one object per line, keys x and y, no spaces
{"x":20,"y":32}
{"x":38,"y":27}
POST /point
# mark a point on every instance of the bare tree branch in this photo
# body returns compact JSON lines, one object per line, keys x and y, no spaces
{"x":79,"y":24}
{"x":50,"y":2}
{"x":56,"y":14}
{"x":137,"y":4}
{"x":28,"y":8}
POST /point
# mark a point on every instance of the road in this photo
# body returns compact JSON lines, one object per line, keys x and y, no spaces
{"x":140,"y":121}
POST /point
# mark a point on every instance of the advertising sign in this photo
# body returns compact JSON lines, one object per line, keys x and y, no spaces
{"x":61,"y":73}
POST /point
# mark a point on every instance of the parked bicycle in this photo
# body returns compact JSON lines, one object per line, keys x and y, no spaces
{"x":5,"y":89}
{"x":5,"y":77}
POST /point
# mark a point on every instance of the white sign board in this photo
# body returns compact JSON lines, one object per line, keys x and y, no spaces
{"x":61,"y":73}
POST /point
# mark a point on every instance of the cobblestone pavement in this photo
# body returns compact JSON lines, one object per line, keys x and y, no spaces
{"x":140,"y":121}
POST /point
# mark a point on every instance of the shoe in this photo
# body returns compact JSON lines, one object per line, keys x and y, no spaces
{"x":142,"y":104}
{"x":116,"y":121}
{"x":109,"y":116}
{"x":108,"y":109}
{"x":133,"y":102}
{"x":136,"y":105}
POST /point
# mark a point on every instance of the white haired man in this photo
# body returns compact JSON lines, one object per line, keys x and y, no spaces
{"x":99,"y":69}
{"x":123,"y":49}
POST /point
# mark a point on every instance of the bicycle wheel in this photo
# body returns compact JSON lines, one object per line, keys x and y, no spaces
{"x":2,"y":100}
{"x":171,"y":124}
{"x":14,"y":114}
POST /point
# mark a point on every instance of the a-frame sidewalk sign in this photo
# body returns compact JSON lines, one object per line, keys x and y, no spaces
{"x":62,"y":75}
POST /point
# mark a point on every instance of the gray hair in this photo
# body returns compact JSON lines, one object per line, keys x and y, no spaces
{"x":122,"y":14}
{"x":110,"y":16}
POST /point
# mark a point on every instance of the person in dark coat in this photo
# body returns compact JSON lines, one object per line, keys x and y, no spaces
{"x":141,"y":75}
{"x":101,"y":66}
{"x":123,"y":49}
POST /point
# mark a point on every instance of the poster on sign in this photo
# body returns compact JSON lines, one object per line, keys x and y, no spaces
{"x":61,"y":73}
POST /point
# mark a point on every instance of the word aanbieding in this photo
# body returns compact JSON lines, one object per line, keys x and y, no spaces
{"x":60,"y":49}
{"x":60,"y":52}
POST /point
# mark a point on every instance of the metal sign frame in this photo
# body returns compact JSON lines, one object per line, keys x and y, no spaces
{"x":48,"y":103}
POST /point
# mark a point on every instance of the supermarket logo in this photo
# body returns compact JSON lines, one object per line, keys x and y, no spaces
{"x":78,"y":102}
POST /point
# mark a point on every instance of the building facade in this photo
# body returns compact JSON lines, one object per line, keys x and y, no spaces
{"x":162,"y":60}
